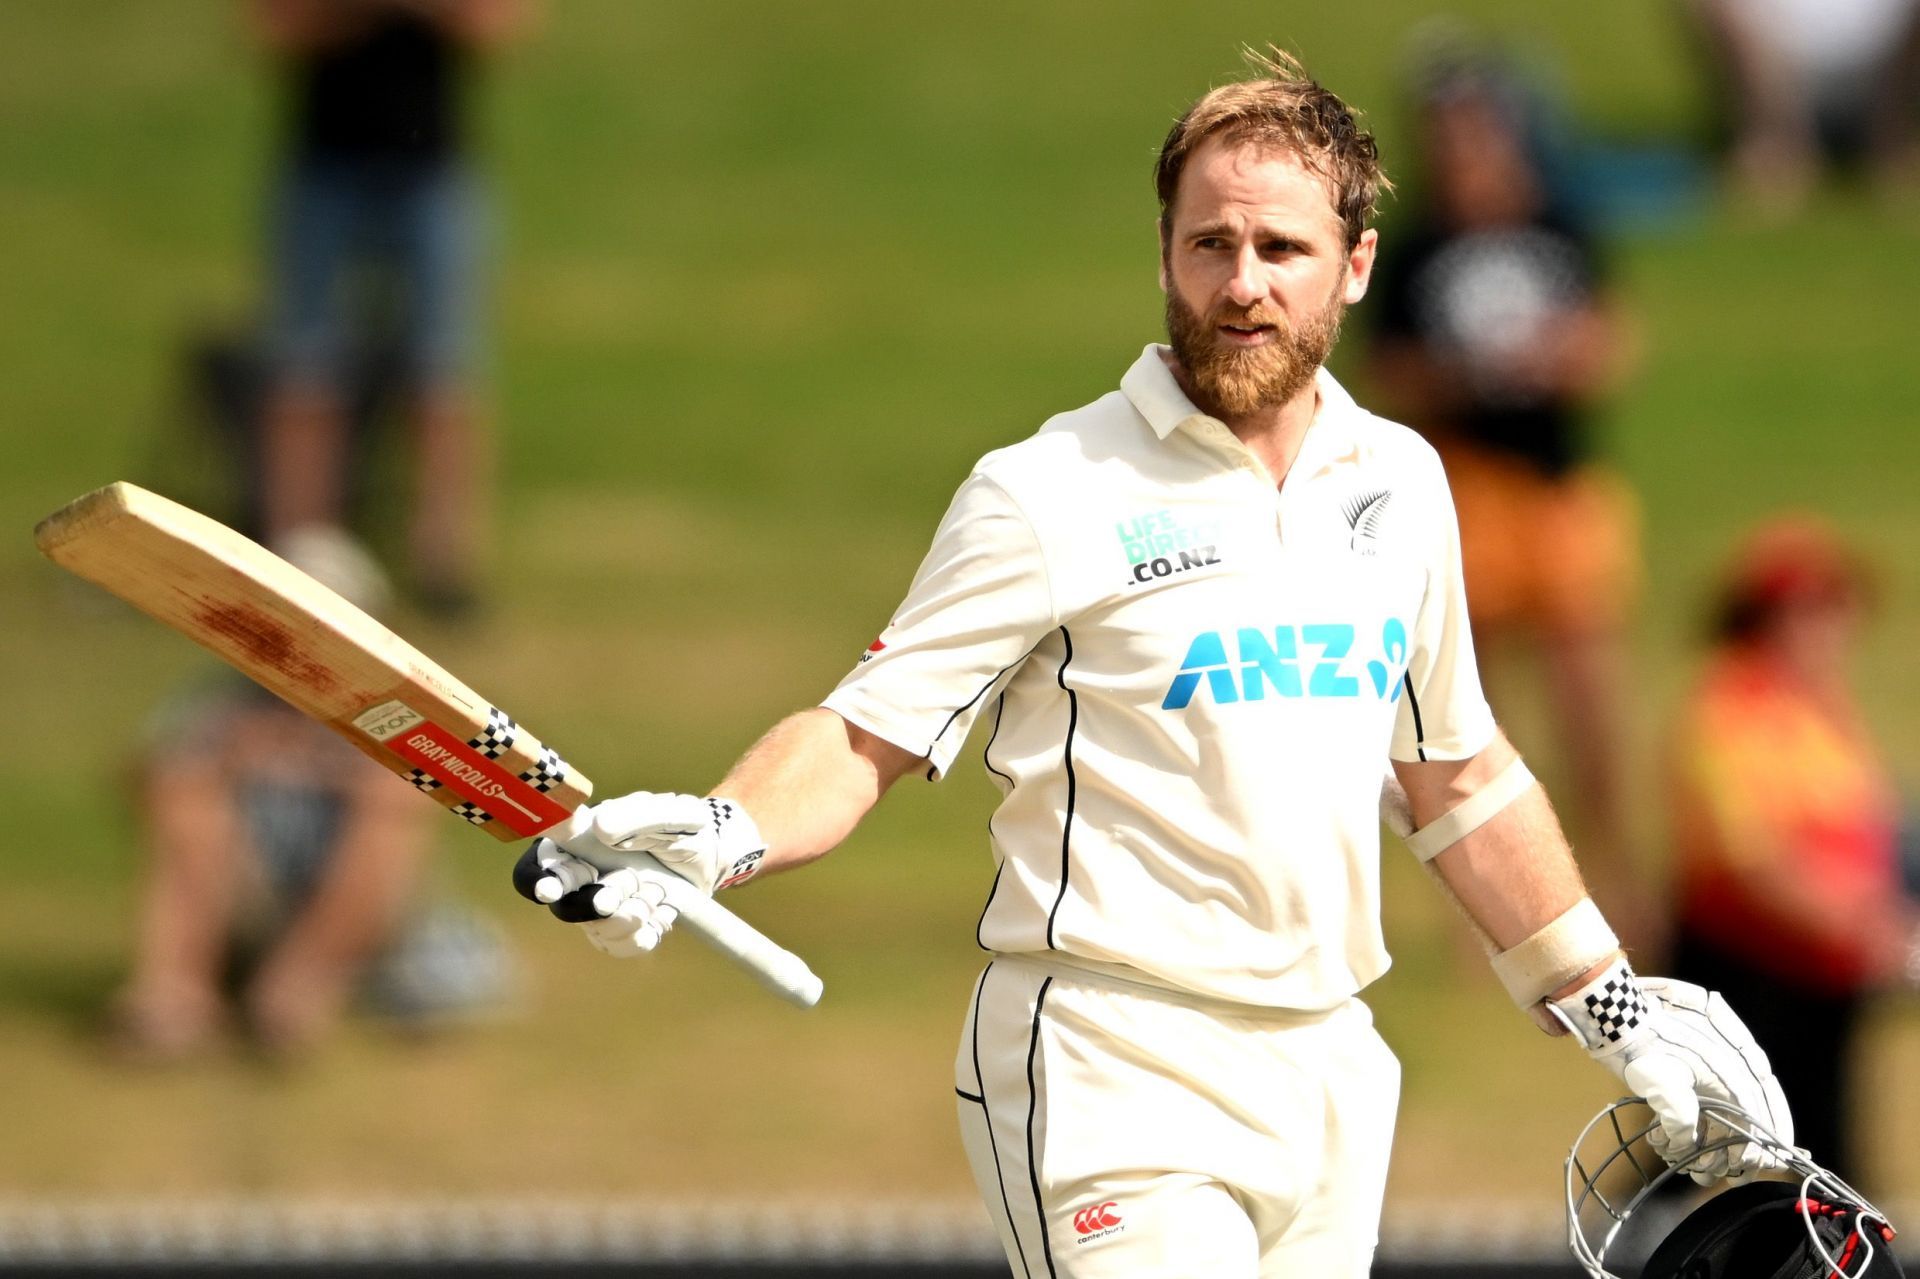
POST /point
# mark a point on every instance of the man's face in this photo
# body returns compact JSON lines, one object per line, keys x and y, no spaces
{"x":1257,"y":273}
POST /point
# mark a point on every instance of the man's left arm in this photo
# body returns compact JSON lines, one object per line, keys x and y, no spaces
{"x":1488,"y":831}
{"x":1515,"y":873}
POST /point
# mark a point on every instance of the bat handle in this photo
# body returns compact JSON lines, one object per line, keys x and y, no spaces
{"x":778,"y":969}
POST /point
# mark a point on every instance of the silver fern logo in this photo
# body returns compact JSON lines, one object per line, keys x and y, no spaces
{"x":1364,"y":512}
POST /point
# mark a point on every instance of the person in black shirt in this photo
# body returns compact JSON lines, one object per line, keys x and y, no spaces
{"x":1496,"y":336}
{"x":376,"y":248}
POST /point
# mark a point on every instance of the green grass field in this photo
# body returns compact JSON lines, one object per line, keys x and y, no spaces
{"x":770,"y":279}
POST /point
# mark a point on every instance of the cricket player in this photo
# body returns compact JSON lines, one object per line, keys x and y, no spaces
{"x":1198,"y":616}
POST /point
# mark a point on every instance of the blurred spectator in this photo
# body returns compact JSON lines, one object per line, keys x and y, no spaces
{"x":279,"y":852}
{"x":1805,"y":83}
{"x":1495,"y":334}
{"x":1786,"y":824}
{"x":377,"y":243}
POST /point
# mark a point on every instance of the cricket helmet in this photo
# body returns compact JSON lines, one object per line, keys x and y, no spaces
{"x":1808,"y":1224}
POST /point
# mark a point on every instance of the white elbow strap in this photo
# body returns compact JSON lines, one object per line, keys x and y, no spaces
{"x":1475,"y":811}
{"x":1555,"y":955}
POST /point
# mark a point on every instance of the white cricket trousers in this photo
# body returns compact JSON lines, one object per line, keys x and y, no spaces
{"x":1119,"y":1130}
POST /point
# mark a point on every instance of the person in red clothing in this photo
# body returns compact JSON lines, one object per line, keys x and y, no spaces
{"x":1786,"y":824}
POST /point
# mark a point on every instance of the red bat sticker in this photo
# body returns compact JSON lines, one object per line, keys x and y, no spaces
{"x":444,"y":756}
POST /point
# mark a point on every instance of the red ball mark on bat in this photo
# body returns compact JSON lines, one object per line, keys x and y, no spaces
{"x":264,"y":643}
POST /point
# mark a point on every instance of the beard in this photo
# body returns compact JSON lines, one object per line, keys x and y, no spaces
{"x":1232,"y":382}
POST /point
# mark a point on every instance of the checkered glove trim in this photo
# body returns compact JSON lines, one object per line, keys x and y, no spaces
{"x":1610,"y":1013}
{"x":732,"y":828}
{"x":1619,"y":1006}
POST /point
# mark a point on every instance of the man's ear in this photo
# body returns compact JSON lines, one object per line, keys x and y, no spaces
{"x":1160,"y":232}
{"x":1360,"y":265}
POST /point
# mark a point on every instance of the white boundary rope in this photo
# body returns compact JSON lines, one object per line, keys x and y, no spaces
{"x":265,"y":1230}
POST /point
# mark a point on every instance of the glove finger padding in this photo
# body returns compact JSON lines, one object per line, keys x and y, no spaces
{"x":627,"y":888}
{"x":623,"y":912}
{"x":609,"y":896}
{"x":545,"y":873}
{"x":1674,"y":1043}
{"x":638,"y":920}
{"x":631,"y":912}
{"x":1742,"y":1075}
{"x":1666,"y":1083}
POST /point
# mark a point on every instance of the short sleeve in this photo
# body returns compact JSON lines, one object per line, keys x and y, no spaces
{"x":978,"y":605}
{"x":1444,"y":714}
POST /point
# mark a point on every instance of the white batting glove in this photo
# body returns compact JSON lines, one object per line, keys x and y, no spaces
{"x":711,"y":843}
{"x":1672,"y":1043}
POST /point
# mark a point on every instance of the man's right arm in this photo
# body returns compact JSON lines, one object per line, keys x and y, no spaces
{"x":796,"y":794}
{"x":810,"y":780}
{"x":980,"y":601}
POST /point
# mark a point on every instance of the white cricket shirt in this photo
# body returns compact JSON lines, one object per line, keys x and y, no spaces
{"x":1189,"y":680}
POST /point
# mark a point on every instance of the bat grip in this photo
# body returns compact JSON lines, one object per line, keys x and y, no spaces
{"x":778,"y":969}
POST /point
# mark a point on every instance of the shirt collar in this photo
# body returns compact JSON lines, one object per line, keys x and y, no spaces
{"x":1331,"y":430}
{"x":1154,"y":393}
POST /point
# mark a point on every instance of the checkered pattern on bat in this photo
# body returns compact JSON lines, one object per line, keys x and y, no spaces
{"x":472,"y":812}
{"x":497,"y":737}
{"x":1617,"y":1007}
{"x":424,"y":780}
{"x":548,"y":771}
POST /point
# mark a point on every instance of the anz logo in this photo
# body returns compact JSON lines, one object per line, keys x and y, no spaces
{"x":1287,"y":661}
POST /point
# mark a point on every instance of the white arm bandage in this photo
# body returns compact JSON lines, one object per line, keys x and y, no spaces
{"x":1563,"y":950}
{"x":1474,"y":812}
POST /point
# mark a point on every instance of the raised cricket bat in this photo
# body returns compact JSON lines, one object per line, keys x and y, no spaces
{"x":300,"y":640}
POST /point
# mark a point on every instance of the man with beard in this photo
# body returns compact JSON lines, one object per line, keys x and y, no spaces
{"x":1198,"y":612}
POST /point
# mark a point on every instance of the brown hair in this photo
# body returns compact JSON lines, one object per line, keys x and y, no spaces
{"x":1282,"y":107}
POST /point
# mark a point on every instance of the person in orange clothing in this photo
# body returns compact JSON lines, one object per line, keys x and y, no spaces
{"x":1786,"y":824}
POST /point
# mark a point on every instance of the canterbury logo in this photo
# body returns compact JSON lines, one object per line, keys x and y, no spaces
{"x":1098,"y":1217}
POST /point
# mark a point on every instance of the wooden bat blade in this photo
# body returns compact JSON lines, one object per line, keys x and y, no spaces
{"x":331,"y":660}
{"x":322,"y":654}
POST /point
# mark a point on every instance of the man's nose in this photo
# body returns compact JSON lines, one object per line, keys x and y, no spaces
{"x":1247,"y":285}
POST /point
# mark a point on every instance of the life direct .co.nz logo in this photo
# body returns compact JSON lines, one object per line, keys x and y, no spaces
{"x":1293,"y":661}
{"x":1158,"y":545}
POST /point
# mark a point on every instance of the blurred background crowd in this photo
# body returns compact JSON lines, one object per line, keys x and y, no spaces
{"x":624,"y":356}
